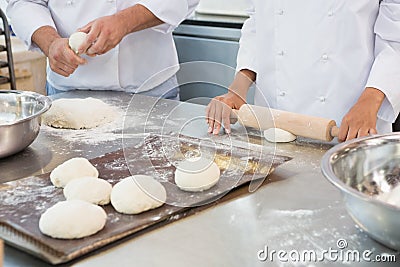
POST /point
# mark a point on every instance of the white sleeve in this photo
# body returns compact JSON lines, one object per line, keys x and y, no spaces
{"x":385,"y":72}
{"x":172,"y":12}
{"x":26,"y":16}
{"x":246,"y":58}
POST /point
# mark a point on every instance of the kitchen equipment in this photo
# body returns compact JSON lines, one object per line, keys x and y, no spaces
{"x":361,"y":169}
{"x":223,"y":7}
{"x":298,"y":124}
{"x":20,"y":119}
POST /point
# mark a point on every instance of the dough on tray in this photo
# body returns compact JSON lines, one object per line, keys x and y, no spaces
{"x":136,"y":194}
{"x":276,"y":135}
{"x":72,"y":169}
{"x":72,"y":219}
{"x":76,"y":113}
{"x":91,"y":189}
{"x":197,"y":174}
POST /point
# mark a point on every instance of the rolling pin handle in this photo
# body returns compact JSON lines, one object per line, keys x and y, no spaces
{"x":335,"y":131}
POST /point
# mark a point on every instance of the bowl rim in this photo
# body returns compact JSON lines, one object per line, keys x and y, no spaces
{"x":39,"y":97}
{"x":327,"y":170}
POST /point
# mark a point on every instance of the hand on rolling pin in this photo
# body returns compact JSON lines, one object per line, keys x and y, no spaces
{"x":219,"y":111}
{"x":361,"y":119}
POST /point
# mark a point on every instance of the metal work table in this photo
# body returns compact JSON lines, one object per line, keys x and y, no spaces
{"x":297,"y":210}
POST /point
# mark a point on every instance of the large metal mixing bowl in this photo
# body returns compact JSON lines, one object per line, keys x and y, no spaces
{"x":20,"y":119}
{"x":361,"y":169}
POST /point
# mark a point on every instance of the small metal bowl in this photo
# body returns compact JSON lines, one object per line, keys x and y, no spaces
{"x":363,"y":168}
{"x":20,"y":119}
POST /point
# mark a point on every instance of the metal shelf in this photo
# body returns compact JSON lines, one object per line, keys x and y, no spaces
{"x":7,"y":49}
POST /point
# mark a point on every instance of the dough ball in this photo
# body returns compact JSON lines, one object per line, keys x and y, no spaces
{"x":197,"y":174}
{"x":76,"y":113}
{"x":276,"y":135}
{"x":72,"y":169}
{"x":137,"y":194}
{"x":72,"y":219}
{"x":91,"y":189}
{"x":76,"y":40}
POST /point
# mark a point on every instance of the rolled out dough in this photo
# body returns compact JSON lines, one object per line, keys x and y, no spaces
{"x":276,"y":135}
{"x":76,"y":113}
{"x":72,"y":219}
{"x":90,"y":189}
{"x":72,"y":169}
{"x":136,"y":194}
{"x":197,"y":174}
{"x":76,"y":40}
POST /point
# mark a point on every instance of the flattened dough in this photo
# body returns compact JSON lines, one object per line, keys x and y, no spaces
{"x":72,"y":219}
{"x":276,"y":135}
{"x":76,"y":113}
{"x":91,"y":189}
{"x":197,"y":174}
{"x":138,"y":193}
{"x":72,"y":169}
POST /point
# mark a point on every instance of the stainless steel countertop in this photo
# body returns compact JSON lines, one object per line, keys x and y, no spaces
{"x":300,"y":210}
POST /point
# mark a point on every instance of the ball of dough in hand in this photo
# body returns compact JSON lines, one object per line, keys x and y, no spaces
{"x":72,"y":219}
{"x":76,"y":40}
{"x":138,"y":193}
{"x":276,"y":135}
{"x":72,"y":169}
{"x":91,"y":189}
{"x":197,"y":174}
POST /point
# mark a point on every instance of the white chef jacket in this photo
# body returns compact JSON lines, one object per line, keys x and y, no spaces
{"x":316,"y":57}
{"x":138,"y":57}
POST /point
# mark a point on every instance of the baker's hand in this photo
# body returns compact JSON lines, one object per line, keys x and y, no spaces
{"x":103,"y":35}
{"x":219,"y":110}
{"x":62,"y":59}
{"x":361,"y":119}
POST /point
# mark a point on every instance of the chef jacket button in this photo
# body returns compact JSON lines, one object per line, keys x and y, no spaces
{"x":330,"y":13}
{"x":324,"y":57}
{"x":280,"y":12}
{"x":281,"y":53}
{"x":322,"y":99}
{"x":282,"y":93}
{"x":69,"y":3}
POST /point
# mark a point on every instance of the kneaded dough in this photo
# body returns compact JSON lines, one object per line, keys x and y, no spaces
{"x":136,"y":194}
{"x":392,"y":197}
{"x":91,"y":189}
{"x":76,"y":40}
{"x":276,"y":135}
{"x":72,"y":169}
{"x":72,"y":219}
{"x":197,"y":174}
{"x":76,"y":113}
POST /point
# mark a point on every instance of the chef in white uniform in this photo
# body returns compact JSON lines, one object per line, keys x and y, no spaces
{"x":128,"y":42}
{"x":338,"y":59}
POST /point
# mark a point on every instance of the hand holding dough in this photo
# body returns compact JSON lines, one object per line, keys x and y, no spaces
{"x":76,"y":40}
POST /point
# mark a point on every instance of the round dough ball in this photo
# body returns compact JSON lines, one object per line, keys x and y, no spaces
{"x":76,"y":40}
{"x":76,"y":113}
{"x":72,"y":219}
{"x":197,"y":174}
{"x":91,"y":189}
{"x":276,"y":135}
{"x":72,"y":169}
{"x":138,"y":193}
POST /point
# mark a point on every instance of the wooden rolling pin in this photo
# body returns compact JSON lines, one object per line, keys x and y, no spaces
{"x":300,"y":125}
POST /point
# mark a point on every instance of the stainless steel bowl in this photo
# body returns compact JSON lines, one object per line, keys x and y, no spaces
{"x":20,"y":119}
{"x":361,"y":169}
